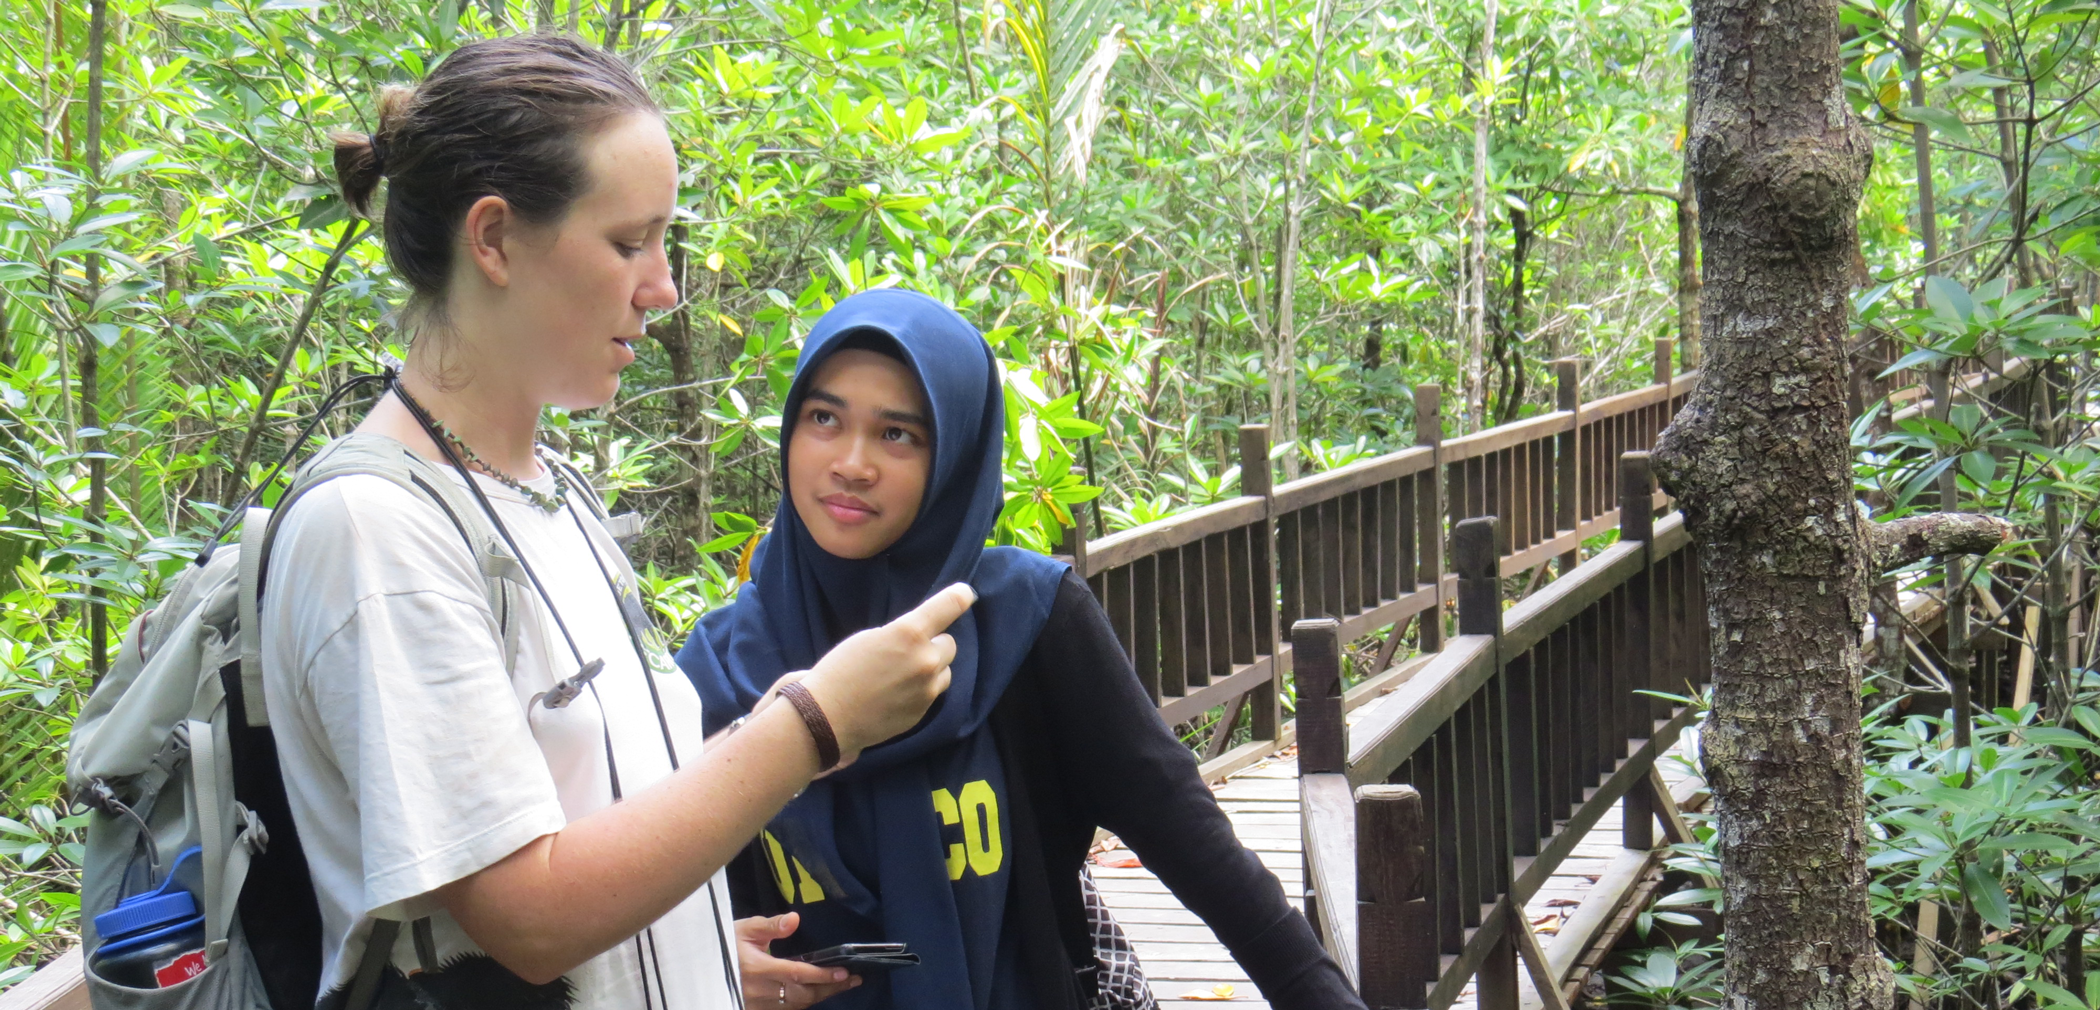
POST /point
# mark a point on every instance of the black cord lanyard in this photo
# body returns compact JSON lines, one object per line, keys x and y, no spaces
{"x":586,"y":676}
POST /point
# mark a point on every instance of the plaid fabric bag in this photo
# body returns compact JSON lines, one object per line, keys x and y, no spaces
{"x":1121,"y":984}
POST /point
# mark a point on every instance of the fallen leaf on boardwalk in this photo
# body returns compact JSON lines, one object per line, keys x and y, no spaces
{"x":1548,"y":919}
{"x":1222,"y":991}
{"x":1120,"y":860}
{"x":1563,"y":903}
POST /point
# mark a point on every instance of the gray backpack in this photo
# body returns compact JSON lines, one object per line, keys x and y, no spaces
{"x":173,"y":752}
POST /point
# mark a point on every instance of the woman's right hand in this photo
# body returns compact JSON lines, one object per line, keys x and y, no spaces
{"x":880,"y":682}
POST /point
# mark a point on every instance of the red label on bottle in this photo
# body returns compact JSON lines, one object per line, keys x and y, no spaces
{"x":180,"y":970}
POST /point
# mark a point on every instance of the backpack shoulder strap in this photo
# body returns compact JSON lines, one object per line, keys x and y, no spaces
{"x":622,"y":528}
{"x":377,"y":456}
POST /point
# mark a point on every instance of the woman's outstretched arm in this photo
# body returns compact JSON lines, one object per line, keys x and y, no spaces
{"x":1124,"y":769}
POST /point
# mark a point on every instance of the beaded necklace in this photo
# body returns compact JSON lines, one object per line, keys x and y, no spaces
{"x":547,"y":503}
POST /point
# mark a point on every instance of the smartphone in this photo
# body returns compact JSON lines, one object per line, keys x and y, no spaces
{"x":861,"y":958}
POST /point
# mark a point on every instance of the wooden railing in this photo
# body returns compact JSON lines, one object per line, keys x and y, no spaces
{"x":1431,"y":821}
{"x":1199,"y":600}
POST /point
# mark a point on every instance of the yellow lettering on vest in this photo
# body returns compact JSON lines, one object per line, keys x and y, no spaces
{"x":951,"y":814}
{"x":777,"y":858}
{"x":981,"y":829}
{"x":811,"y":892}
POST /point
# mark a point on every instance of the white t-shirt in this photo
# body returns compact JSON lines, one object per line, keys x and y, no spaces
{"x":412,"y":758}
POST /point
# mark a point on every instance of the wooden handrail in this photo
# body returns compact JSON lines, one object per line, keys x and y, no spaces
{"x":1199,"y":600}
{"x":1518,"y":736}
{"x":1316,"y":488}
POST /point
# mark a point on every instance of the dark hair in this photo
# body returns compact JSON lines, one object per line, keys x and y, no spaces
{"x":498,"y":117}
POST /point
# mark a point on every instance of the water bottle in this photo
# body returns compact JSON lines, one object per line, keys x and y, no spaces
{"x":156,"y":939}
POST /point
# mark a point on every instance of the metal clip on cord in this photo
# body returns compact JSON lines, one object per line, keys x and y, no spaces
{"x":565,"y":691}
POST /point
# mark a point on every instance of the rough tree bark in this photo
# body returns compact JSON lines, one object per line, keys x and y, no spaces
{"x":1760,"y":463}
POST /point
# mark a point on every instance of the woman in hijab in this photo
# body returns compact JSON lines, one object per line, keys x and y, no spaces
{"x":964,"y":837}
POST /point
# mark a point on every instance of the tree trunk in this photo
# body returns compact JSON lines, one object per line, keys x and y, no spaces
{"x":1921,"y":146}
{"x":689,"y":443}
{"x":1688,"y":340}
{"x":1760,"y":462}
{"x":1476,"y":231}
{"x":1283,"y":369}
{"x":90,"y":346}
{"x":1509,"y":337}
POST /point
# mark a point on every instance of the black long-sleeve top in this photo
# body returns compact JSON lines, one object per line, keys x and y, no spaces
{"x":1083,"y":747}
{"x":1078,"y":729}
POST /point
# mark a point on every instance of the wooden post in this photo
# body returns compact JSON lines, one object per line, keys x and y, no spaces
{"x":1479,"y":583}
{"x":1429,"y":533}
{"x":1663,"y":372}
{"x":1497,"y":975}
{"x":1256,"y":478}
{"x":1637,"y":525}
{"x":1567,"y":488}
{"x":1323,"y":738}
{"x":1473,"y":553}
{"x":1264,"y":703}
{"x":1397,"y":954}
{"x":1074,"y":546}
{"x":1636,"y":498}
{"x":1316,"y":645}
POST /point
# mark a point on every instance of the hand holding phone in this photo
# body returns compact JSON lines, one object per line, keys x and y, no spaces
{"x":861,"y":958}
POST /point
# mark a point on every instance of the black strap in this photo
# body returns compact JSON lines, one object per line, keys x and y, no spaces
{"x":426,"y":944}
{"x":379,"y":947}
{"x":240,"y":508}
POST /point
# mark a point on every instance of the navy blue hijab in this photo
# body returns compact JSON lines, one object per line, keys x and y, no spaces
{"x":908,"y":843}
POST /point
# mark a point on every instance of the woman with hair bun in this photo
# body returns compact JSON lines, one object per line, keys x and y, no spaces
{"x":515,"y":809}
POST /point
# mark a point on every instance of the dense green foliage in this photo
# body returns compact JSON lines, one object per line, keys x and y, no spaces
{"x":1171,"y":218}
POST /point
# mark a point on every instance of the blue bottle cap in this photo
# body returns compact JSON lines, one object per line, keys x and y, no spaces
{"x":145,"y":911}
{"x":168,"y":903}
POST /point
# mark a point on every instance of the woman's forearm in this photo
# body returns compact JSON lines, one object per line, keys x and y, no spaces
{"x":566,"y":897}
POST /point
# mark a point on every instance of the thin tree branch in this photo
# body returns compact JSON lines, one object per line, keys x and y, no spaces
{"x":1900,"y":542}
{"x":351,"y":234}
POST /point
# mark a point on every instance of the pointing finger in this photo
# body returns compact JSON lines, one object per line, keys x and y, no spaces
{"x":939,"y":611}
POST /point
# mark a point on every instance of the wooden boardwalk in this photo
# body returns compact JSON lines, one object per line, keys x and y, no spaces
{"x":1182,"y":958}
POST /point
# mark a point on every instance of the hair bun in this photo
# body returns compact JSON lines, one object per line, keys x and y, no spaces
{"x":360,"y":162}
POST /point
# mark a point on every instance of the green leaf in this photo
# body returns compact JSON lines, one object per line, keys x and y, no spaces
{"x":1949,"y":299}
{"x":323,"y":212}
{"x":1979,"y":465}
{"x":15,"y":271}
{"x":1987,"y":894}
{"x":2054,"y":736}
{"x":77,"y":243}
{"x":1939,"y":119}
{"x":735,"y":522}
{"x":724,"y":542}
{"x":2057,"y":995}
{"x":208,"y":255}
